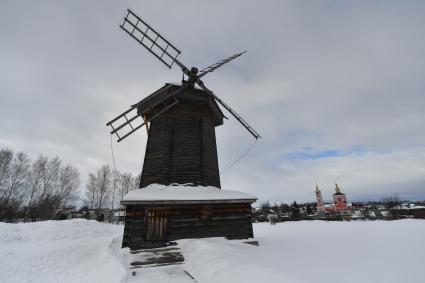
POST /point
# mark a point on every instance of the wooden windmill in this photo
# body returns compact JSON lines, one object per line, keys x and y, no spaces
{"x":180,"y":119}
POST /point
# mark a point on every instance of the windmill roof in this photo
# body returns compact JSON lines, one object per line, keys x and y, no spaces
{"x":157,"y":193}
{"x":198,"y":88}
{"x":180,"y":84}
{"x":166,"y":92}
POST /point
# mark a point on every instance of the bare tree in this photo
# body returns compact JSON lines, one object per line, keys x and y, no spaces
{"x":91,"y":191}
{"x":65,"y":187}
{"x":68,"y":183}
{"x":35,"y":179}
{"x":136,"y":181}
{"x":115,"y":188}
{"x":47,"y":200}
{"x":103,"y":177}
{"x":127,"y":184}
{"x":104,"y":184}
{"x":107,"y":188}
{"x":44,"y":185}
{"x":50,"y":173}
{"x":6,"y":156}
{"x":16,"y":180}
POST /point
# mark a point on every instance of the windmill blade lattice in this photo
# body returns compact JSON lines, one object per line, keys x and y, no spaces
{"x":148,"y":37}
{"x":164,"y":98}
{"x":126,"y":123}
{"x":142,"y":113}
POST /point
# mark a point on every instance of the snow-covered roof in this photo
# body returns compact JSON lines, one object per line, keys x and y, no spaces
{"x":417,"y":207}
{"x":184,"y":194}
{"x":119,"y":213}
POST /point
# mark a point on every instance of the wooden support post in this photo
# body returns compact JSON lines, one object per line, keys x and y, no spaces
{"x":145,"y":119}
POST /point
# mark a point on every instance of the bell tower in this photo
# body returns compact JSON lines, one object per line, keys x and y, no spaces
{"x":339,"y":199}
{"x":320,"y":204}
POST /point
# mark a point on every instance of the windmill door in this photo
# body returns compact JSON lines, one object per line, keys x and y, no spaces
{"x":156,"y":225}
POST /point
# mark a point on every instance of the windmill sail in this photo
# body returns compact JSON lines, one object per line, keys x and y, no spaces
{"x":237,"y":117}
{"x":126,"y":123}
{"x":165,"y":98}
{"x":214,"y":66}
{"x":150,"y":39}
{"x":244,"y":123}
{"x":144,"y":111}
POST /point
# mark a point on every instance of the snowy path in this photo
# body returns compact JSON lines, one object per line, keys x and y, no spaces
{"x":88,"y":251}
{"x":158,"y":265}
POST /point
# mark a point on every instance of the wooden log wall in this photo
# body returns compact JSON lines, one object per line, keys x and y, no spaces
{"x":181,"y":145}
{"x":232,"y":221}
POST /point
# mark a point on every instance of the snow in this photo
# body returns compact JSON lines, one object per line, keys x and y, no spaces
{"x":157,"y":192}
{"x":305,"y":251}
{"x":61,"y":251}
{"x":119,"y":213}
{"x":357,"y":214}
{"x":314,"y":251}
{"x":417,"y":207}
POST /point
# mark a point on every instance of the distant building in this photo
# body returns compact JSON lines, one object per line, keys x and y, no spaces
{"x":320,"y":204}
{"x":340,"y":200}
{"x":339,"y":206}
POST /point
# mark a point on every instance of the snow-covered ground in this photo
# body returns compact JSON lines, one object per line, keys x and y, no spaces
{"x":87,"y":251}
{"x":60,"y":251}
{"x":310,"y":251}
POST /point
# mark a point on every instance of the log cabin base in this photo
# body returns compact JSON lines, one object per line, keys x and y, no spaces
{"x":155,"y":223}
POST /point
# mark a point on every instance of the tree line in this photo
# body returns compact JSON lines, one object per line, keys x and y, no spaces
{"x":41,"y":189}
{"x":35,"y":189}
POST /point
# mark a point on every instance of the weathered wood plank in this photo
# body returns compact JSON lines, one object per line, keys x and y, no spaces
{"x":181,"y":144}
{"x":230,"y":220}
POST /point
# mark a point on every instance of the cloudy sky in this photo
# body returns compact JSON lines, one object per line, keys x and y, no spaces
{"x":335,"y":88}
